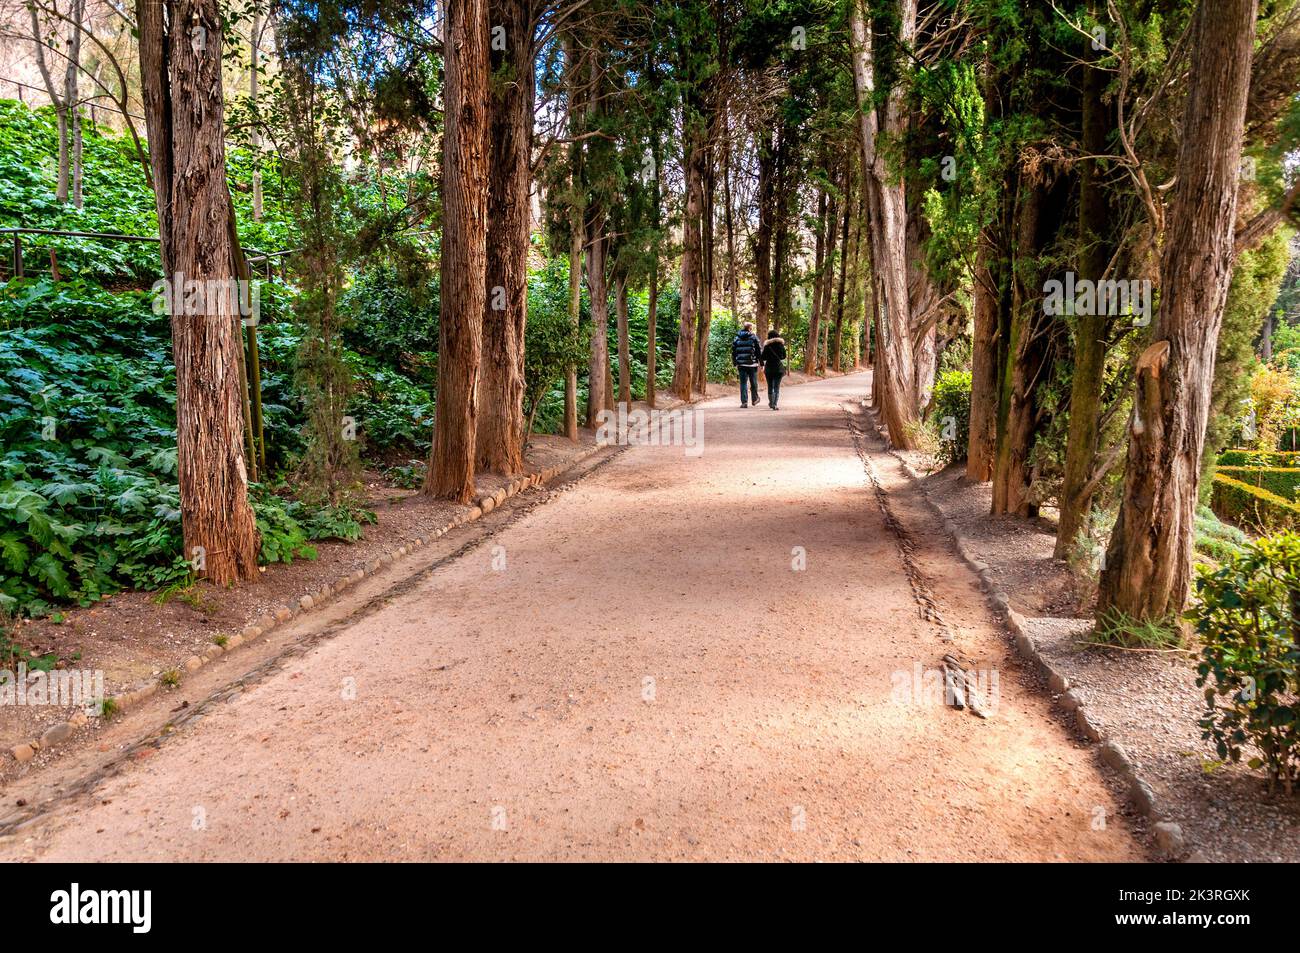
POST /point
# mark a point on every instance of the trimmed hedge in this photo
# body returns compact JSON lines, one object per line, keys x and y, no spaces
{"x":1280,"y":480}
{"x":1260,"y":458}
{"x":1252,"y":506}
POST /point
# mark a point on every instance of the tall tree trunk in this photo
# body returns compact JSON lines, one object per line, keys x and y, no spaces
{"x":652,"y":317}
{"x":828,"y":283}
{"x":182,"y":93}
{"x":572,"y":75}
{"x":837,"y":335}
{"x":984,"y":367}
{"x":1148,"y":564}
{"x":986,"y":343}
{"x":624,"y":349}
{"x":781,"y":233}
{"x":705,"y":306}
{"x":733,"y":281}
{"x":255,"y":134}
{"x":763,"y":233}
{"x":692,"y":268}
{"x":598,"y":362}
{"x":819,"y":269}
{"x":464,"y":256}
{"x":1030,"y":350}
{"x":575,"y":316}
{"x":895,"y":363}
{"x":1089,"y":367}
{"x":652,"y":307}
{"x":500,"y":440}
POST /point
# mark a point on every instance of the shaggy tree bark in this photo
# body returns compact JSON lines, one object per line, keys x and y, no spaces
{"x":500,"y":440}
{"x":624,"y":349}
{"x":984,"y":368}
{"x":896,"y":363}
{"x":576,"y":233}
{"x":598,"y":292}
{"x":1148,"y":564}
{"x":1090,"y":331}
{"x":763,"y":233}
{"x":700,"y":370}
{"x":1030,"y":349}
{"x":180,"y":70}
{"x":464,"y":257}
{"x":992,"y":302}
{"x":692,"y":272}
{"x":819,"y":267}
{"x":837,"y":334}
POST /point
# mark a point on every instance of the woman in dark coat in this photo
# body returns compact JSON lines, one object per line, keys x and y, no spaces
{"x":774,"y":357}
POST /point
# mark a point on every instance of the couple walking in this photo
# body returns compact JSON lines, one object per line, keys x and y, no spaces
{"x":747,"y":352}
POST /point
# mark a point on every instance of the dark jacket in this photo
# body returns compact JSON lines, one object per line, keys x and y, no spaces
{"x":745,"y":349}
{"x":774,"y":357}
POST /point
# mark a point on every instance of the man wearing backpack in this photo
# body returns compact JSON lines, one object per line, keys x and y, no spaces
{"x":745,"y":350}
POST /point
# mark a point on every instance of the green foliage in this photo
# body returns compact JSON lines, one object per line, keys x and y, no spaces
{"x":1214,"y":539}
{"x":393,"y":323}
{"x":1256,"y":278}
{"x":117,"y":199}
{"x":1116,"y":629}
{"x":1252,"y":506}
{"x":1259,"y":458}
{"x":1279,"y":480}
{"x":1247,"y":613}
{"x":950,"y":415}
{"x":722,"y":331}
{"x":88,"y":498}
{"x":88,"y":501}
{"x":551,"y":344}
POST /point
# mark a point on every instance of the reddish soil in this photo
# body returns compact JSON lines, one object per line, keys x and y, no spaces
{"x":133,"y":636}
{"x":682,"y":657}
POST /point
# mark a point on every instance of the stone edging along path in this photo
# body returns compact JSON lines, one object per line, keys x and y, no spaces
{"x":1168,"y":836}
{"x":61,"y":732}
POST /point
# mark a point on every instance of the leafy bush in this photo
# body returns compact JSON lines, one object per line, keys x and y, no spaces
{"x":950,"y":415}
{"x":396,"y":326}
{"x":1280,"y":480}
{"x":1275,"y":404}
{"x":116,"y":199}
{"x":1248,"y":616}
{"x":1214,"y":539}
{"x":1252,"y":506}
{"x":722,"y":331}
{"x":1259,"y":458}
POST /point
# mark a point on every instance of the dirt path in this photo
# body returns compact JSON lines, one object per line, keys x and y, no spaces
{"x":635,"y":671}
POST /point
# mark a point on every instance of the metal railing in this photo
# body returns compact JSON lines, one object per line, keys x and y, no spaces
{"x":16,"y":242}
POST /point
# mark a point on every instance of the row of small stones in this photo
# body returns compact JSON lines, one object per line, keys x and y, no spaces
{"x":1168,"y":836}
{"x":57,"y":734}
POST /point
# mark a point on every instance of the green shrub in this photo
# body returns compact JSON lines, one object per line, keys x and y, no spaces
{"x":1259,"y":458}
{"x":1252,"y":506}
{"x":1280,"y":480}
{"x":1248,"y":616}
{"x":950,"y":415}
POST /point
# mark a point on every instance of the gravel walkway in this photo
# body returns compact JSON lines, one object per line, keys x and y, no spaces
{"x":1148,"y":702}
{"x":684,"y":657}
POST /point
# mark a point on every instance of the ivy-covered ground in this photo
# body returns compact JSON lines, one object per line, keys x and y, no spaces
{"x":88,"y":498}
{"x":88,"y":502}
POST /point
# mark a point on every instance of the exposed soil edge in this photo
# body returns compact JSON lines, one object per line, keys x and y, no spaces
{"x":62,"y":731}
{"x":1141,"y":795}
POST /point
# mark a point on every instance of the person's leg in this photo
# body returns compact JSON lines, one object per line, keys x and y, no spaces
{"x":753,"y":387}
{"x":771,"y":391}
{"x":744,"y":378}
{"x":748,"y":384}
{"x":776,"y":390}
